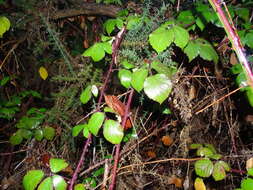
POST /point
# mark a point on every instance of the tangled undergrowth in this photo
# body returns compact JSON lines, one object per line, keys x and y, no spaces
{"x":204,"y":117}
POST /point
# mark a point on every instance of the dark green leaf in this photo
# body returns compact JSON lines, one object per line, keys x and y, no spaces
{"x":26,"y":134}
{"x":38,"y":134}
{"x":16,"y":138}
{"x":4,"y":80}
{"x":32,"y":179}
{"x":48,"y":133}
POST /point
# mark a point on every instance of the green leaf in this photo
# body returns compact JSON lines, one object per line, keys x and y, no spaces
{"x":46,"y":184}
{"x":59,"y":183}
{"x":204,"y":152}
{"x":249,"y":95}
{"x":113,"y":131}
{"x":243,"y":13}
{"x":48,"y":133}
{"x":250,"y":172}
{"x":57,"y":164}
{"x":77,"y":129}
{"x":4,"y":80}
{"x":98,"y":172}
{"x":110,"y":25}
{"x":4,"y":25}
{"x":236,"y":69}
{"x":38,"y":134}
{"x":215,"y":156}
{"x":203,"y":167}
{"x":86,"y":131}
{"x":86,"y":95}
{"x":163,"y":69}
{"x":181,"y":36}
{"x":218,"y":172}
{"x":186,"y":17}
{"x":95,"y":122}
{"x":158,"y":87}
{"x":96,"y":52}
{"x":192,"y":50}
{"x":200,"y":24}
{"x":32,"y":179}
{"x":16,"y":138}
{"x":107,"y":47}
{"x":247,"y":184}
{"x":138,"y":78}
{"x":208,"y":53}
{"x":94,"y":90}
{"x":127,"y":65}
{"x":161,"y":39}
{"x":79,"y":187}
{"x":195,"y":146}
{"x":249,"y":39}
{"x":125,"y":77}
{"x":132,"y":21}
{"x":26,"y":134}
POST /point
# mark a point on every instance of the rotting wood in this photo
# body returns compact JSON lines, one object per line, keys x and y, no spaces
{"x":87,"y":9}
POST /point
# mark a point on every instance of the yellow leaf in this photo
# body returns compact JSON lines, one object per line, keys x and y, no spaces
{"x":199,"y":184}
{"x":43,"y":73}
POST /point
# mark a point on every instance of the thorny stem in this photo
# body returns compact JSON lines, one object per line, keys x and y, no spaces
{"x":234,"y":39}
{"x":115,"y":47}
{"x":117,"y":154}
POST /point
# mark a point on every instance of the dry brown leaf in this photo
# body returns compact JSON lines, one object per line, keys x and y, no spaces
{"x":178,"y":182}
{"x":151,"y":154}
{"x":114,"y":103}
{"x":167,"y":140}
{"x":249,"y":163}
{"x":199,"y":184}
{"x":233,"y":59}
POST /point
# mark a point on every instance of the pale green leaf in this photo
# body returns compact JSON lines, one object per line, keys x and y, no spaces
{"x":138,"y":78}
{"x":125,"y":77}
{"x":208,"y":53}
{"x":4,"y":25}
{"x":95,"y":122}
{"x":59,"y":183}
{"x":86,"y":131}
{"x":127,"y":65}
{"x":107,"y":47}
{"x":161,"y":39}
{"x":32,"y":179}
{"x":203,"y":167}
{"x":181,"y":36}
{"x":86,"y":95}
{"x":199,"y":184}
{"x":57,"y":164}
{"x":158,"y":87}
{"x":113,"y":131}
{"x":163,"y":69}
{"x":204,"y":152}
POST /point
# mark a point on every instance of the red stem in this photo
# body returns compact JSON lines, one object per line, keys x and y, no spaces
{"x":117,"y":153}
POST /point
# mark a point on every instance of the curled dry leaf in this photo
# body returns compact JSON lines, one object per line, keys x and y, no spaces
{"x":151,"y":154}
{"x":167,"y":140}
{"x":178,"y":182}
{"x":114,"y":103}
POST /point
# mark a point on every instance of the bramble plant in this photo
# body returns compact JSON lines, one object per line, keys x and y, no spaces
{"x":205,"y":167}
